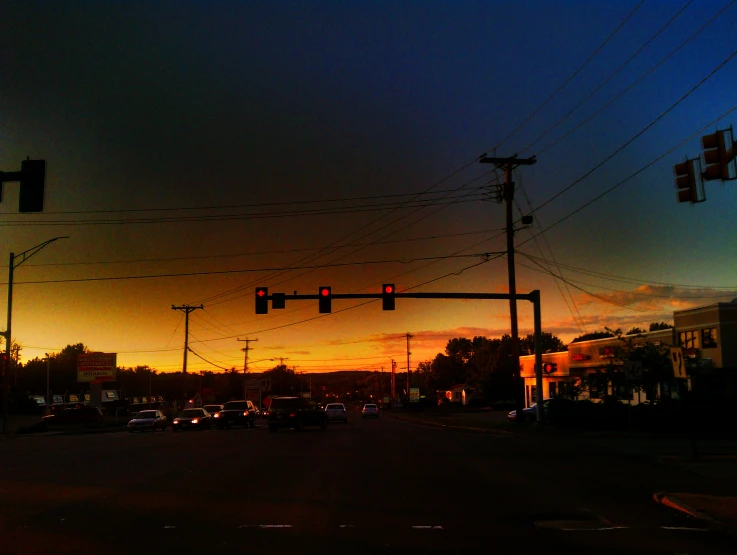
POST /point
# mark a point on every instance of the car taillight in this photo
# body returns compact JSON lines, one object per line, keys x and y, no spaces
{"x":292,"y":415}
{"x":245,"y":413}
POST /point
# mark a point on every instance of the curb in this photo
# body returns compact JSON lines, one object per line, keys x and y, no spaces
{"x":452,"y":427}
{"x":672,"y":501}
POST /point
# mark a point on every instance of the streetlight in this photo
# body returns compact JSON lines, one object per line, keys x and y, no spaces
{"x":25,"y":255}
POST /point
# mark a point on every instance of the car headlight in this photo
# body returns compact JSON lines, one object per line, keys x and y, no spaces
{"x":216,"y":415}
{"x":195,"y":420}
{"x":175,"y":422}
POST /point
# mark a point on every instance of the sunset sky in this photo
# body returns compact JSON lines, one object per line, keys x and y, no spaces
{"x":196,"y":150}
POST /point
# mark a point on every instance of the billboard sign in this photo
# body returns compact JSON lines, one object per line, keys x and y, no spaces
{"x":96,"y":367}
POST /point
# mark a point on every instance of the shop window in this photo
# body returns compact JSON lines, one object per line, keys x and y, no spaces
{"x":709,"y":338}
{"x":689,"y":339}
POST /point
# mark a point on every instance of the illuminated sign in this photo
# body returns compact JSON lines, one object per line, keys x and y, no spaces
{"x":96,"y":367}
{"x":578,"y":357}
{"x":607,"y":352}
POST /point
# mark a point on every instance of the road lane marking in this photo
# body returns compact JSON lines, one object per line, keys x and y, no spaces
{"x":265,"y":526}
{"x":347,"y":526}
{"x":424,"y":527}
{"x":685,"y":528}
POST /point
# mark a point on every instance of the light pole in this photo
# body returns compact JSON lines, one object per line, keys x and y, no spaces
{"x":48,"y":367}
{"x":25,"y":255}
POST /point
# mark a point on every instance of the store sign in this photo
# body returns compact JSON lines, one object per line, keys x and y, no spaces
{"x":414,"y":394}
{"x":578,"y":357}
{"x":606,"y":352}
{"x":73,"y":398}
{"x":96,"y":367}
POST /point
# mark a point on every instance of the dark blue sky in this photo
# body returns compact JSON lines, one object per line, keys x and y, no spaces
{"x":166,"y":105}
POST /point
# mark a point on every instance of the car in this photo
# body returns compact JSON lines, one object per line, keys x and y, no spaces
{"x":214,"y":410}
{"x":192,"y":419}
{"x":265,"y":412}
{"x":147,"y":420}
{"x":82,"y":414}
{"x":530,"y":413}
{"x":237,"y":413}
{"x":296,"y":413}
{"x":370,"y":410}
{"x":337,"y":412}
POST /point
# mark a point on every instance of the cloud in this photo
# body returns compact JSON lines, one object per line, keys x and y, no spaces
{"x":298,"y":352}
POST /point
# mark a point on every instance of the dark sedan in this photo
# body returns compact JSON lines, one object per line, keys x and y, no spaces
{"x":237,"y":413}
{"x":77,"y":415}
{"x":296,"y":413}
{"x":192,"y":419}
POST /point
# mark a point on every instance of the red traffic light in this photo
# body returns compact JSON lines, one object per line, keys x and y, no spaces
{"x":387,"y":296}
{"x":260,"y":292}
{"x":325,"y":291}
{"x":388,"y":289}
{"x":325,"y":300}
{"x":262,"y":300}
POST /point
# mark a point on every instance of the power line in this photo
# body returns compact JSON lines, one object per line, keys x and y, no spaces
{"x":567,"y":81}
{"x":627,"y":89}
{"x":215,"y":272}
{"x":255,"y":253}
{"x":639,"y":134}
{"x":623,"y":279}
{"x":626,"y":179}
{"x":609,"y":78}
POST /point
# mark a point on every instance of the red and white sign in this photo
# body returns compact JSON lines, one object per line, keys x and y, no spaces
{"x":578,"y":357}
{"x":96,"y":367}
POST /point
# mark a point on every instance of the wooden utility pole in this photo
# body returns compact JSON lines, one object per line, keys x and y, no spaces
{"x":508,"y":164}
{"x":186,"y":309}
{"x":408,"y":353}
{"x":245,"y":363}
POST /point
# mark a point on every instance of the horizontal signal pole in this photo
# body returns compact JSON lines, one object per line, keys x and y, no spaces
{"x":483,"y":296}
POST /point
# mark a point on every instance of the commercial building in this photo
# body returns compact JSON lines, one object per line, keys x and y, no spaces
{"x":591,"y":370}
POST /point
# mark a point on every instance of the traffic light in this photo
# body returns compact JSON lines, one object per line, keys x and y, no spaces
{"x":687,"y":184}
{"x":262,"y":300}
{"x":717,"y":152}
{"x":33,"y":176}
{"x":3,"y":364}
{"x":550,"y":367}
{"x":278,"y":300}
{"x":325,"y":300}
{"x":387,"y":296}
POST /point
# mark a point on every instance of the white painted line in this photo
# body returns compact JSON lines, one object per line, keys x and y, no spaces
{"x":427,"y":527}
{"x":595,"y":529}
{"x":347,"y":526}
{"x":169,"y":527}
{"x":685,"y":528}
{"x":265,"y":526}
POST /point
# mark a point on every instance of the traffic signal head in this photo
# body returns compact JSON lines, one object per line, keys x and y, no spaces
{"x":687,"y":184}
{"x":3,"y":364}
{"x":33,"y":176}
{"x":387,"y":296}
{"x":717,"y":152}
{"x":262,"y":300}
{"x":325,"y":300}
{"x":549,"y":367}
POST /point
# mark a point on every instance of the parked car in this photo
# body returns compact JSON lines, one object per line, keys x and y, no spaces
{"x":82,"y":414}
{"x":192,"y":419}
{"x":214,"y":410}
{"x":147,"y":420}
{"x":237,"y":413}
{"x":530,"y":413}
{"x":337,"y":412}
{"x":370,"y":410}
{"x":296,"y":413}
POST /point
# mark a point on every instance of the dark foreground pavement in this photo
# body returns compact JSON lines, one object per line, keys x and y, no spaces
{"x":369,"y":486}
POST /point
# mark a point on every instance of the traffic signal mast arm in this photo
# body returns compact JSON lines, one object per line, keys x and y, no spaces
{"x":486,"y":296}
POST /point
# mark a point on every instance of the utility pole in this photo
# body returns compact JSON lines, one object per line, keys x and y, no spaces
{"x":393,"y":384}
{"x":509,"y":164}
{"x":186,"y":309}
{"x":48,"y":368}
{"x":245,"y":363}
{"x":408,"y":353}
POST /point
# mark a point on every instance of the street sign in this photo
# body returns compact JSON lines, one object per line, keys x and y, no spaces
{"x":96,"y":367}
{"x":679,"y":365}
{"x":633,"y":369}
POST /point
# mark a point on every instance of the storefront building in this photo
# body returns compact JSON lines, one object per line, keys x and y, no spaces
{"x":707,"y":333}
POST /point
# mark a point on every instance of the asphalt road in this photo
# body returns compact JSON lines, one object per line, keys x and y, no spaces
{"x":364,"y":487}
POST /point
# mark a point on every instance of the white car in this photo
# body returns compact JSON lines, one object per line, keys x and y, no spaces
{"x":337,"y":412}
{"x":147,"y":420}
{"x":370,"y":411}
